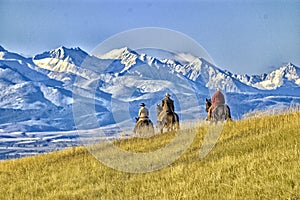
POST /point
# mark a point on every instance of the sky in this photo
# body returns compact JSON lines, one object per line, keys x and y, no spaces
{"x":250,"y":37}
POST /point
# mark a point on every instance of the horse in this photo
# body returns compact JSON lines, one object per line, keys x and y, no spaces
{"x":169,"y":120}
{"x":143,"y":127}
{"x":220,"y":113}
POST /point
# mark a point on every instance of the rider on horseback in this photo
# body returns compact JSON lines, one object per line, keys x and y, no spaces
{"x":167,"y":104}
{"x":143,"y":123}
{"x":217,"y":99}
{"x":143,"y":113}
{"x":167,"y":118}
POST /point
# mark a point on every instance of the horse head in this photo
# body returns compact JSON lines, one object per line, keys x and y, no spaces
{"x":207,"y":104}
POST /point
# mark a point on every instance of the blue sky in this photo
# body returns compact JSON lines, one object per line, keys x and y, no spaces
{"x":241,"y":36}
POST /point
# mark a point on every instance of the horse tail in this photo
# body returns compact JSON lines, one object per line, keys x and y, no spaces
{"x":176,"y":118}
{"x":228,"y":112}
{"x":176,"y":121}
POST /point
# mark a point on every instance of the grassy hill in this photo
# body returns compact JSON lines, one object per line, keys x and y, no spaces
{"x":256,"y":158}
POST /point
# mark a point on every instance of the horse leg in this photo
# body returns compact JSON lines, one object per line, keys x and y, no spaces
{"x":175,"y":124}
{"x":160,"y":126}
{"x":170,"y":119}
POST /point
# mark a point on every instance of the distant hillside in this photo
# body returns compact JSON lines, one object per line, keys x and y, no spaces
{"x":255,"y":158}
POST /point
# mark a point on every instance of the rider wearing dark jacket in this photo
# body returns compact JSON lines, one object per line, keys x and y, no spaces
{"x":168,"y":104}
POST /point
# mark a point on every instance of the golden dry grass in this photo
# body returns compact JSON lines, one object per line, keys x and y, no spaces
{"x":255,"y":158}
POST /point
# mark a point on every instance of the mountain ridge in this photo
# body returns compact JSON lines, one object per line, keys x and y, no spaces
{"x":129,"y":57}
{"x":46,"y":84}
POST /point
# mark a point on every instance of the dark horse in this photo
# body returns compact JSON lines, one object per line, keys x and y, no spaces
{"x":143,"y":127}
{"x":169,"y":120}
{"x":220,"y":113}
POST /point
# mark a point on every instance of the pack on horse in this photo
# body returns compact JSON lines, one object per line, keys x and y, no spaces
{"x":166,"y":117}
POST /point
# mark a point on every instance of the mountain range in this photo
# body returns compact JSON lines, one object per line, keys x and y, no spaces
{"x":38,"y":93}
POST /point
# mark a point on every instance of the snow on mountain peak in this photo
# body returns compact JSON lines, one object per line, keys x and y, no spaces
{"x":290,"y":68}
{"x":277,"y":78}
{"x":127,"y":56}
{"x":250,"y":79}
{"x":198,"y":70}
{"x":117,"y":53}
{"x":72,"y":55}
{"x":212,"y":77}
{"x":170,"y":62}
{"x":290,"y":71}
{"x":62,"y":52}
{"x":67,"y":61}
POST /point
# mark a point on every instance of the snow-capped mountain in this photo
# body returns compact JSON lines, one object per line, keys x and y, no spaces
{"x":126,"y":59}
{"x":285,"y":76}
{"x":38,"y":93}
{"x":73,"y":56}
{"x":64,"y":60}
{"x":19,"y":76}
{"x":212,"y":77}
{"x":249,"y":79}
{"x":28,"y":94}
{"x":127,"y":56}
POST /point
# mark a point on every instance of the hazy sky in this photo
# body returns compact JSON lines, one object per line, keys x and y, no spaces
{"x":241,"y":36}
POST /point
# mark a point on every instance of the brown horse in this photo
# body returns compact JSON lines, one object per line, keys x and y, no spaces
{"x":168,"y":120}
{"x":220,"y":113}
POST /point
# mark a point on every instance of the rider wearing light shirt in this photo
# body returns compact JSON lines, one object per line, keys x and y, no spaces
{"x":143,"y":112}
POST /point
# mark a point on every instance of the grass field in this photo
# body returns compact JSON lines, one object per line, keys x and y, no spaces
{"x":257,"y":158}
